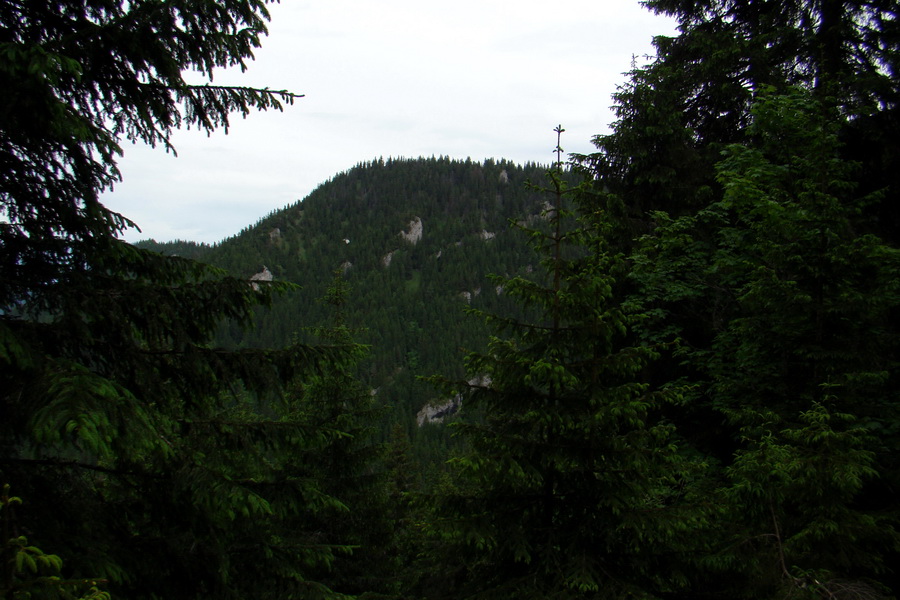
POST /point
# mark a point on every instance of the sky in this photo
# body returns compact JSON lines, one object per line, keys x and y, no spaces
{"x":391,"y":79}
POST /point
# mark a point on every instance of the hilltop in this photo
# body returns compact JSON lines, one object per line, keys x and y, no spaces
{"x":417,"y":240}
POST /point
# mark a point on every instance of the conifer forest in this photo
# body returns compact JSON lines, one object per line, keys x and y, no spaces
{"x":667,"y":369}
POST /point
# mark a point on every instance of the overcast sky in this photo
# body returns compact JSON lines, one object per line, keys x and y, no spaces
{"x":395,"y":78}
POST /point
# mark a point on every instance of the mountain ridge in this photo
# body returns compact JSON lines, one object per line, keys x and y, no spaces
{"x":417,"y":240}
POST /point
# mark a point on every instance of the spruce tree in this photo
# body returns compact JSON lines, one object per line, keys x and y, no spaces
{"x":148,"y":457}
{"x":804,"y":367}
{"x":796,"y":382}
{"x":751,"y":161}
{"x":677,"y":113}
{"x":347,"y":463}
{"x":571,"y":486}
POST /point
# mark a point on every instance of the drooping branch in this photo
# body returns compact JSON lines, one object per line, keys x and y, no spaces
{"x":60,"y":463}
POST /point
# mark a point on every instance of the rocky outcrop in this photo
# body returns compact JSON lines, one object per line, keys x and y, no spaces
{"x":436,"y":413}
{"x":264,"y":275}
{"x":467,"y":295}
{"x":414,"y":232}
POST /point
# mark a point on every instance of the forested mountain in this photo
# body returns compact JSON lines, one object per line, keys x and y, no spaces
{"x":416,"y":241}
{"x":683,"y":384}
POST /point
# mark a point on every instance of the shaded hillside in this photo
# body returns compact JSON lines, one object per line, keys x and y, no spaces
{"x":415,"y":239}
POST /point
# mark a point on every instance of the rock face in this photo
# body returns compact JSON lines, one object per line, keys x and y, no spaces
{"x":264,"y":275}
{"x":467,"y":295}
{"x":436,"y":413}
{"x":414,"y":233}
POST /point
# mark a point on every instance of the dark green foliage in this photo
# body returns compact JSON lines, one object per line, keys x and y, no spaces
{"x":182,"y":248}
{"x":676,"y":114}
{"x":844,"y":50}
{"x":571,"y":487}
{"x":751,"y":161}
{"x":804,"y":365}
{"x":348,"y":466}
{"x":148,"y":457}
{"x":83,"y":75}
{"x":175,"y":462}
{"x":690,"y":391}
{"x":408,"y":310}
{"x":28,"y":572}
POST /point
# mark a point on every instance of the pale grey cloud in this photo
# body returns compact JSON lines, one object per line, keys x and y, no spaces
{"x":397,"y":78}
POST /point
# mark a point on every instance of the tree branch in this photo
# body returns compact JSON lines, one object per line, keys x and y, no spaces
{"x":59,"y":463}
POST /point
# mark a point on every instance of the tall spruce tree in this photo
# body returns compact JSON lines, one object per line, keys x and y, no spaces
{"x":676,"y":114}
{"x":348,"y":464}
{"x":752,"y":161}
{"x":145,"y":457}
{"x":573,"y":483}
{"x":803,"y":357}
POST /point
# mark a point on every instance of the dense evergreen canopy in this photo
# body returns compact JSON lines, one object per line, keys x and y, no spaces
{"x":407,"y":297}
{"x":143,"y":456}
{"x":690,"y":390}
{"x":751,"y":171}
{"x":571,"y":485}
